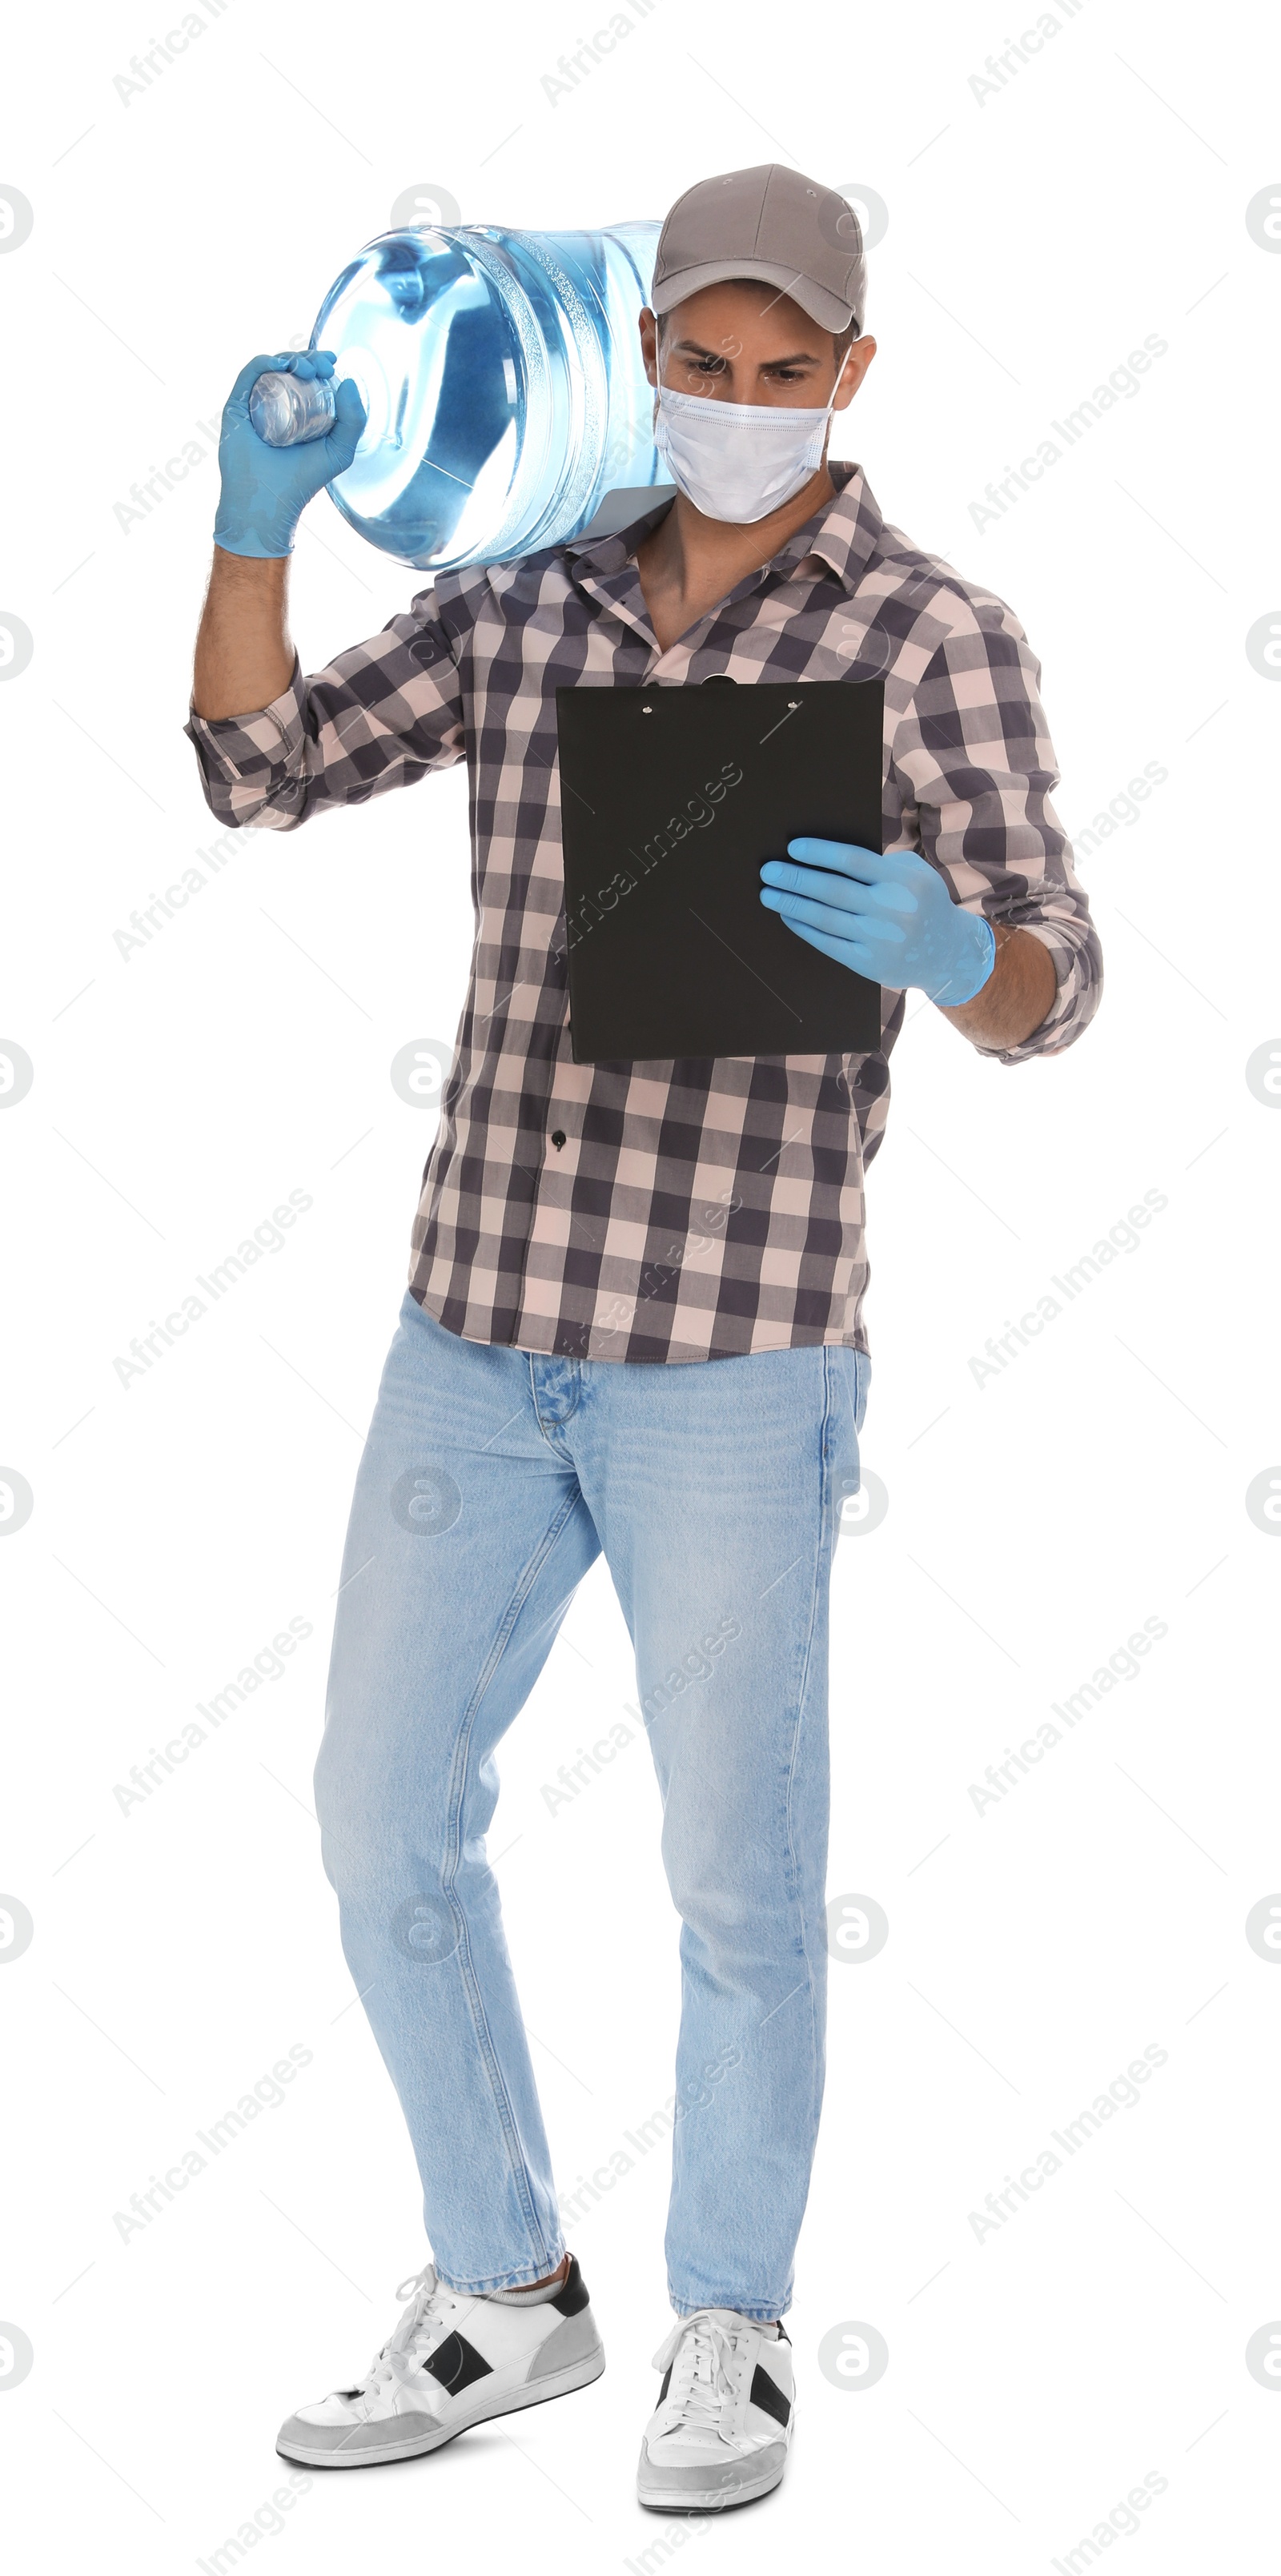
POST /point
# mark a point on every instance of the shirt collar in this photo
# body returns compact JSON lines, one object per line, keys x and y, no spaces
{"x":843,"y":536}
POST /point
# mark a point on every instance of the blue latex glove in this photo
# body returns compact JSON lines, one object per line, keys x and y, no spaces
{"x":891,"y":919}
{"x":266,"y":489}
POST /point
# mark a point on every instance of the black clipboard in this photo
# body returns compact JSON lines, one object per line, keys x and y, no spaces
{"x":670,"y":800}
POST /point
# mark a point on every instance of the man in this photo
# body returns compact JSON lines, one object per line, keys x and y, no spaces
{"x":634,"y":1318}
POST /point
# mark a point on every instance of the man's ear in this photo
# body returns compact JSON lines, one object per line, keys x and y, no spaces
{"x":858,"y":359}
{"x":648,"y":327}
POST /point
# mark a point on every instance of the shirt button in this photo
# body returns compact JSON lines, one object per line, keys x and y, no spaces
{"x":558,"y":1137}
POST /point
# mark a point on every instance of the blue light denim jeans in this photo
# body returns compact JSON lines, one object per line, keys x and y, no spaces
{"x":491,"y":1480}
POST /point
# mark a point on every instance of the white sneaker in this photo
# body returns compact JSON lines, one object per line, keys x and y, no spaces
{"x":724,"y":2417}
{"x":455,"y":2359}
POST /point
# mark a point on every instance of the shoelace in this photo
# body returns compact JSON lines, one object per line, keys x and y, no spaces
{"x":402,"y":2354}
{"x":702,"y":2350}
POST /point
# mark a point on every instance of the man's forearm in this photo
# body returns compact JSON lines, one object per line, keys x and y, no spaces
{"x":244,"y":657}
{"x":1018,"y":994}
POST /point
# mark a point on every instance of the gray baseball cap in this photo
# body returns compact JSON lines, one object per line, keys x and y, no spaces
{"x":772,"y":223}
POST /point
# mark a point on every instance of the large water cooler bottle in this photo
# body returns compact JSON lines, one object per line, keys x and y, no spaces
{"x":501,"y":372}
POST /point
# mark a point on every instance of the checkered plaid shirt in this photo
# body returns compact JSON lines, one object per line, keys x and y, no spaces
{"x":702,"y":1208}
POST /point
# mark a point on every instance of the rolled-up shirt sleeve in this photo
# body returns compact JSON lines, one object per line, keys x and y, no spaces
{"x":974,"y":765}
{"x":379,"y":716}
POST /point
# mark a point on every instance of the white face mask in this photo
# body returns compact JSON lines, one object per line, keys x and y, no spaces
{"x":738,"y":461}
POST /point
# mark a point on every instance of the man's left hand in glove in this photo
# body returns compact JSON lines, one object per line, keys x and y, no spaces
{"x":891,"y":919}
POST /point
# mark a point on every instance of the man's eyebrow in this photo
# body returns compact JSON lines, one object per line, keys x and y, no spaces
{"x":800,"y":358}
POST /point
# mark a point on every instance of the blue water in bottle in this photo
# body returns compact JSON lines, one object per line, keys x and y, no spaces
{"x":502,"y":376}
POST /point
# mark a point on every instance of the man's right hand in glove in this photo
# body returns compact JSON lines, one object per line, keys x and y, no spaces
{"x":244,"y":658}
{"x":266,"y":489}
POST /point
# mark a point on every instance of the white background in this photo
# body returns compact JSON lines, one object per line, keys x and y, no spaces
{"x":1035,"y":237}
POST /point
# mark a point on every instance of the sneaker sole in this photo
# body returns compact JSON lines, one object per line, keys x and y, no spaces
{"x":560,"y":2383}
{"x":718,"y":2500}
